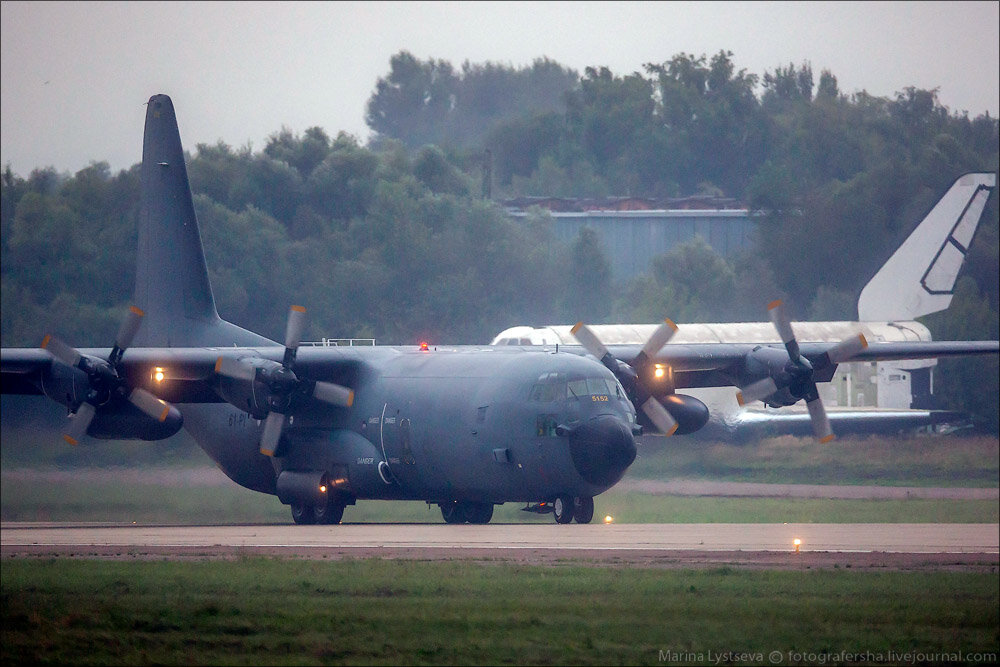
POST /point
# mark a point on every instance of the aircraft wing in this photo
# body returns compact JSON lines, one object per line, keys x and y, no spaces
{"x":188,"y":372}
{"x":724,"y":364}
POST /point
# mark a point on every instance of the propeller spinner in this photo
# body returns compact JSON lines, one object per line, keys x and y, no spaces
{"x":797,"y":374}
{"x":280,"y":384}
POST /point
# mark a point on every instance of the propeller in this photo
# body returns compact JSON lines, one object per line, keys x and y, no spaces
{"x":280,"y":384}
{"x":104,"y":379}
{"x":632,"y":375}
{"x":797,"y":374}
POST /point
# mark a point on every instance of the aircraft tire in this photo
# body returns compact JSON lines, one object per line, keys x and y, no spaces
{"x":562,"y":509}
{"x":583,"y":509}
{"x":333,"y":513}
{"x":303,"y":514}
{"x":480,"y":513}
{"x":453,"y":512}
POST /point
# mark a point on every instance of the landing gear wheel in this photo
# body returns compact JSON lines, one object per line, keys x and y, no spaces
{"x":303,"y":514}
{"x":331,"y":513}
{"x":583,"y":510}
{"x":562,"y":509}
{"x":453,"y":512}
{"x":479,"y":512}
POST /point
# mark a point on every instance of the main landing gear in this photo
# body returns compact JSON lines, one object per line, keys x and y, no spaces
{"x":331,"y":513}
{"x":461,"y":511}
{"x":566,"y":508}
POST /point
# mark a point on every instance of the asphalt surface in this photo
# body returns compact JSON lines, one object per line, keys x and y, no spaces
{"x":893,"y":546}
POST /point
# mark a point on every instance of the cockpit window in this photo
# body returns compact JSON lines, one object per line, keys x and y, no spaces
{"x":553,"y":387}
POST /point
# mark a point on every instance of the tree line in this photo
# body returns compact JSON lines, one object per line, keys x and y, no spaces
{"x":394,"y":238}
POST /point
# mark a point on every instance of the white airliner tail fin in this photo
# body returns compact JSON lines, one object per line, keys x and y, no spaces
{"x":920,"y":276}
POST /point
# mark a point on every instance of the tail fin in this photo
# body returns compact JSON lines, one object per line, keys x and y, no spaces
{"x":919,"y":277}
{"x":171,"y":281}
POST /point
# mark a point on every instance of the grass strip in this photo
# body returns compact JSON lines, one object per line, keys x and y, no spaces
{"x":268,"y":611}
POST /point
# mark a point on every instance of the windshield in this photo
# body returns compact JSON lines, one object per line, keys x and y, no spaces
{"x":554,"y":387}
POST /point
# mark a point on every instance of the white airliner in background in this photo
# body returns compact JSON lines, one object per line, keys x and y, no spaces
{"x":917,"y":280}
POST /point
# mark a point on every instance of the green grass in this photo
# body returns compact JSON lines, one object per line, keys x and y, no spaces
{"x":262,"y":611}
{"x":227,"y":503}
{"x":883,"y":461}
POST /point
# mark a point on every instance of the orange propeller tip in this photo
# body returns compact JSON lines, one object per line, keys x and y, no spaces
{"x":774,"y":304}
{"x":218,"y":364}
{"x":138,"y":311}
{"x":826,"y":438}
{"x":350,"y":398}
{"x":864,"y":341}
{"x":576,"y":327}
{"x":300,"y":309}
{"x":673,"y":430}
{"x":670,"y":322}
{"x":267,"y":452}
{"x":166,"y":411}
{"x":739,"y":398}
{"x":45,"y":341}
{"x":70,"y":440}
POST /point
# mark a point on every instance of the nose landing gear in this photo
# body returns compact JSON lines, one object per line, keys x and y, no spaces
{"x":566,"y":508}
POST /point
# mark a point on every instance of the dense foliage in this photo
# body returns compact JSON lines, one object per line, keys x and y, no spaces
{"x":394,"y":239}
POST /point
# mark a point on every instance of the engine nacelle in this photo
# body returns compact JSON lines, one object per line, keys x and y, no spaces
{"x":120,"y":420}
{"x":689,"y":413}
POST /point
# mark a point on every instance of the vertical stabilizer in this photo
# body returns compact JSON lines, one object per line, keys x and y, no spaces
{"x":920,"y":276}
{"x":171,"y":283}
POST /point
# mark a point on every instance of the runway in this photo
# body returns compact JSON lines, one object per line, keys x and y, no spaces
{"x":892,"y":545}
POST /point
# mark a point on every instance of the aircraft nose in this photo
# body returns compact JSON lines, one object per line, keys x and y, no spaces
{"x":602,"y":449}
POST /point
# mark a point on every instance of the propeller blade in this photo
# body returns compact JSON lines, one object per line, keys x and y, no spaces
{"x":333,"y":394}
{"x":847,"y":348}
{"x":589,"y":341}
{"x":820,"y":422}
{"x":296,"y":324}
{"x":272,"y":433}
{"x":155,"y":407}
{"x":128,"y":329}
{"x":60,"y":350}
{"x":779,"y":318}
{"x":660,"y":337}
{"x":659,"y":415}
{"x":235,"y":369}
{"x":756,"y":391}
{"x":79,"y":423}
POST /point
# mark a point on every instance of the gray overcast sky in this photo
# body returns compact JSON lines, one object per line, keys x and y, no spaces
{"x":75,"y":75}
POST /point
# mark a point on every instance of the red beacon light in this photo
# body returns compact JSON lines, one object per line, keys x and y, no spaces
{"x":424,"y":347}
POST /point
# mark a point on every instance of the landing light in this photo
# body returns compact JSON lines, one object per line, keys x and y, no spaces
{"x":322,"y":488}
{"x":659,"y":372}
{"x":797,"y":542}
{"x":158,"y":374}
{"x":608,"y":518}
{"x":423,"y":347}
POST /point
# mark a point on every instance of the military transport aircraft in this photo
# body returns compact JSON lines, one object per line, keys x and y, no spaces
{"x":465,"y":428}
